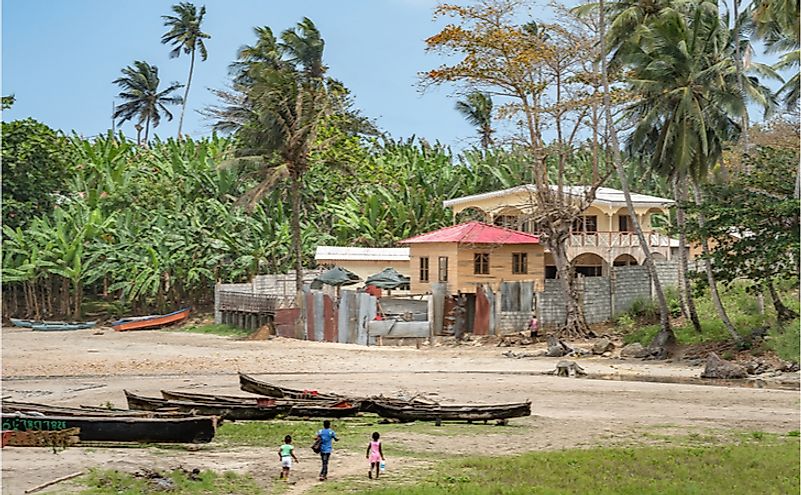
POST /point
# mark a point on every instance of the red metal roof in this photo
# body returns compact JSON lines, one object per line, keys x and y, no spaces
{"x":475,"y":233}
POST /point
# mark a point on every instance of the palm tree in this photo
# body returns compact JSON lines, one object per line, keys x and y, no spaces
{"x":776,"y":23}
{"x":185,"y":35}
{"x":280,"y":97}
{"x":665,"y":339}
{"x":690,"y":102}
{"x":143,"y":100}
{"x":477,"y":110}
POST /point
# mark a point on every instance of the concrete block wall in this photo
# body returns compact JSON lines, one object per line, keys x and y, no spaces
{"x":668,"y":273}
{"x":551,"y":304}
{"x":511,"y":322}
{"x":629,"y":284}
{"x":596,"y":298}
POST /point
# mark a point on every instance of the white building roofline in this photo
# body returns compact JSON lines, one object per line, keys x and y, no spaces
{"x":606,"y":196}
{"x":346,"y":253}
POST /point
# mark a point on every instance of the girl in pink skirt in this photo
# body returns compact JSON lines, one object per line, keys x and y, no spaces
{"x":375,"y":455}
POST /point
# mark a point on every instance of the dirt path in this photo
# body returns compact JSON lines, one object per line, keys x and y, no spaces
{"x":84,"y":368}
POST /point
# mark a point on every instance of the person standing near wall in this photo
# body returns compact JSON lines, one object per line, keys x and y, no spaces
{"x":327,"y":437}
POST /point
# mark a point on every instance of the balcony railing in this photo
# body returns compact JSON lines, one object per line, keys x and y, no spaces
{"x":613,"y":239}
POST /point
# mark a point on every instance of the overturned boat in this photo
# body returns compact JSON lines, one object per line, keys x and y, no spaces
{"x":298,"y":407}
{"x":225,"y":410}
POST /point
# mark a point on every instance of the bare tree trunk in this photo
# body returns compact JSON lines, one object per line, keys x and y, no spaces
{"x":738,"y":63}
{"x":186,"y":93}
{"x":297,"y":247}
{"x":713,"y":287}
{"x":575,"y":325}
{"x":783,"y":313}
{"x":147,"y":130}
{"x":685,"y":290}
{"x":665,"y":338}
{"x":76,"y":313}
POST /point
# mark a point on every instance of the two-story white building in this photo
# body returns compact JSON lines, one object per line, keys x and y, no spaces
{"x":602,"y":237}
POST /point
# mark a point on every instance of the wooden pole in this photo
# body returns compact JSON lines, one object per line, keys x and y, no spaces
{"x":53,"y":482}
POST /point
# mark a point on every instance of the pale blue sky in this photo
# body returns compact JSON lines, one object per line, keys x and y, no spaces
{"x":60,"y":58}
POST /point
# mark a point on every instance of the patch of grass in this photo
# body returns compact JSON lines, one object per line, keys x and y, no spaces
{"x":742,"y":308}
{"x":214,"y":329}
{"x":353,"y":433}
{"x":107,"y":482}
{"x":786,"y":340}
{"x":740,"y":468}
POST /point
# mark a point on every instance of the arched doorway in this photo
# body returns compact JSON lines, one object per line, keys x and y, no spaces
{"x":658,"y":257}
{"x":472,"y":213}
{"x":509,"y":217}
{"x":590,"y":265}
{"x":625,"y":260}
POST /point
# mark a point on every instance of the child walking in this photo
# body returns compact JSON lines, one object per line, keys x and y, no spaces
{"x":286,"y":453}
{"x":375,"y":455}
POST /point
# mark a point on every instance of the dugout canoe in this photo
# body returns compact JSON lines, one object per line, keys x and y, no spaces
{"x":299,"y":407}
{"x":249,"y":384}
{"x":225,"y":410}
{"x":444,"y":412}
{"x":51,"y":326}
{"x":42,"y":325}
{"x":197,"y":429}
{"x":11,"y":407}
{"x":152,"y":321}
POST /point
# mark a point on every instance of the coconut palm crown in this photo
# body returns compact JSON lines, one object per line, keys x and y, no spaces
{"x":143,"y":100}
{"x":185,"y":36}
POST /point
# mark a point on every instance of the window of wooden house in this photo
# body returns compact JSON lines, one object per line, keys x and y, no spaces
{"x":443,"y":268}
{"x":519,"y":263}
{"x":481,"y":263}
{"x":424,"y":268}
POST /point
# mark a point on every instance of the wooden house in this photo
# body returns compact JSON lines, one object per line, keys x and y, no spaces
{"x":464,"y":256}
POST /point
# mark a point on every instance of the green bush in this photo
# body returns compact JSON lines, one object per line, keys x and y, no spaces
{"x":785,"y":341}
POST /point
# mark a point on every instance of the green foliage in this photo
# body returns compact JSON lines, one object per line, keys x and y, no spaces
{"x":743,"y":311}
{"x":103,"y":482}
{"x":748,"y":467}
{"x":35,"y":165}
{"x":752,"y":221}
{"x":8,"y":102}
{"x":786,"y":340}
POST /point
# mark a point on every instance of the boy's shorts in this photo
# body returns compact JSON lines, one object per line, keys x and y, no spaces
{"x":286,"y":462}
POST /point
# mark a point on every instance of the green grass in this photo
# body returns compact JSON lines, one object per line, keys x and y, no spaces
{"x":215,"y":329}
{"x":107,"y":482}
{"x":353,"y":433}
{"x":785,"y":340}
{"x":755,"y":466}
{"x":743,"y":311}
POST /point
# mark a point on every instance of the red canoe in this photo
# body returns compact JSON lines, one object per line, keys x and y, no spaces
{"x":149,"y":322}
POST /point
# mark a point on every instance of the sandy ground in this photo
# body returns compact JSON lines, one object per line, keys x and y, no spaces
{"x":90,"y":367}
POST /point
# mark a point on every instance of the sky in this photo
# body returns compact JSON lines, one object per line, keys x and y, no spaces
{"x":59,"y":59}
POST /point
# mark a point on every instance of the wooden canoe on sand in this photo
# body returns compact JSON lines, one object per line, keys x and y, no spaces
{"x":152,"y":321}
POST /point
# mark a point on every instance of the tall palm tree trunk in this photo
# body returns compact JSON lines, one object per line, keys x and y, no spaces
{"x":685,"y":290}
{"x":665,"y":338}
{"x":297,"y":248}
{"x":186,"y":92}
{"x":713,"y":287}
{"x":147,"y":129}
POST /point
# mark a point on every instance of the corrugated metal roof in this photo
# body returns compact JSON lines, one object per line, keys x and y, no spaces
{"x":361,"y":254}
{"x":475,"y":233}
{"x":603,"y":195}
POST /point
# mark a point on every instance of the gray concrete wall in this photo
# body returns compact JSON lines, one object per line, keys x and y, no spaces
{"x":512,"y":322}
{"x":629,"y":284}
{"x":551,"y":304}
{"x":668,"y":273}
{"x":596,"y":299}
